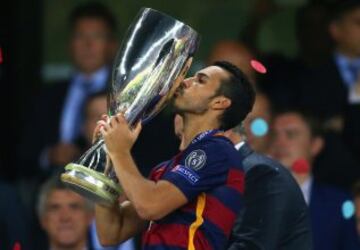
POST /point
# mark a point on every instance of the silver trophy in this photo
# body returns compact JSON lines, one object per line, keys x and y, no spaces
{"x":152,"y":60}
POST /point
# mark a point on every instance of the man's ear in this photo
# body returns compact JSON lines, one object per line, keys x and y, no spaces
{"x":220,"y":103}
{"x":334,"y":30}
{"x":43,"y":222}
{"x":317,"y":145}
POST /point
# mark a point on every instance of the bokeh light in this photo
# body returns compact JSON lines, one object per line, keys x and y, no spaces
{"x":348,"y":209}
{"x":259,"y":127}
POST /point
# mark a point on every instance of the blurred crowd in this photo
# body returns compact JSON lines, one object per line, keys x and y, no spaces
{"x":306,"y":116}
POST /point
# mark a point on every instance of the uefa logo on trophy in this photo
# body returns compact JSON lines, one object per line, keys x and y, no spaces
{"x":152,"y":60}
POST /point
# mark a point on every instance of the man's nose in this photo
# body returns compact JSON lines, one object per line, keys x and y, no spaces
{"x":187,"y":82}
{"x":279,"y":141}
{"x":65,"y":214}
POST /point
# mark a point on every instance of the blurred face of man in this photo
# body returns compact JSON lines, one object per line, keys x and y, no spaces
{"x":346,"y":33}
{"x":95,"y":108}
{"x":66,"y":219}
{"x":291,"y":140}
{"x":261,"y":109}
{"x":196,"y":93}
{"x":236,"y":53}
{"x":91,"y":44}
{"x":357,"y":213}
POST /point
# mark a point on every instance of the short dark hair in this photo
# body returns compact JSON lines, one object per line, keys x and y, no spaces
{"x":241,"y":93}
{"x":102,"y":93}
{"x":94,"y":10}
{"x":342,"y":7}
{"x":54,"y":183}
{"x":313,"y":123}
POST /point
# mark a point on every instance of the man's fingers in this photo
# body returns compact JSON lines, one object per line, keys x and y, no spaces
{"x":138,"y":128}
{"x":104,"y":117}
{"x":112,"y":122}
{"x":101,"y":122}
{"x":121,"y":118}
{"x":103,"y":130}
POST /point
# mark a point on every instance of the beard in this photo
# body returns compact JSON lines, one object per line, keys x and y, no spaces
{"x":176,"y":109}
{"x":186,"y":107}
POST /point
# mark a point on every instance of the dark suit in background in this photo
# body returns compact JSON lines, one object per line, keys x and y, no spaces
{"x":13,"y":223}
{"x":325,"y":94}
{"x":331,"y":229}
{"x":43,"y":126}
{"x":275,"y":215}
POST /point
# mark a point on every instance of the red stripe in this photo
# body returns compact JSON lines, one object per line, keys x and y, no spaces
{"x":156,"y":174}
{"x":236,"y":180}
{"x":218,"y":214}
{"x":173,"y":235}
{"x":190,"y":207}
{"x":200,"y":241}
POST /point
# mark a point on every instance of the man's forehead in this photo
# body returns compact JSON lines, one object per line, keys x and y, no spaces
{"x":212,"y":71}
{"x":290,"y":121}
{"x":65,"y":195}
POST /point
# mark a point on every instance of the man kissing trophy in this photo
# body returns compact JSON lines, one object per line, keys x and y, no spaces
{"x":152,"y":60}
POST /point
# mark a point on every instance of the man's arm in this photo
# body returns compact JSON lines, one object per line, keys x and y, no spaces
{"x":151,"y":200}
{"x":117,"y":223}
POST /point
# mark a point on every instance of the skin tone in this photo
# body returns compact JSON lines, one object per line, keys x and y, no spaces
{"x":292,"y":140}
{"x":91,"y":47}
{"x":357,"y":213}
{"x":179,"y":130}
{"x":95,"y":108}
{"x":261,"y":109}
{"x":200,"y":108}
{"x":66,"y":220}
{"x":346,"y":33}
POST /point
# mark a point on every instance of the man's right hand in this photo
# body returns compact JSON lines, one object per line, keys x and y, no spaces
{"x":99,"y":125}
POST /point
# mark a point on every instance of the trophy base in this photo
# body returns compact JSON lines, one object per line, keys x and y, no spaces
{"x":91,"y":184}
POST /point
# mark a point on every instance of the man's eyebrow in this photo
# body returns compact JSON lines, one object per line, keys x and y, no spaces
{"x":200,"y":74}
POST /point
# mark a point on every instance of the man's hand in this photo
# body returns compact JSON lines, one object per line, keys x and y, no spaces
{"x":100,"y":123}
{"x":118,"y":136}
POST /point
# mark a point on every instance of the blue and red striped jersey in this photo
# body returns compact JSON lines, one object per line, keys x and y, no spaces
{"x":210,"y":175}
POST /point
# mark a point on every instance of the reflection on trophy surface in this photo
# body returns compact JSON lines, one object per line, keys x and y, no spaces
{"x":152,"y":61}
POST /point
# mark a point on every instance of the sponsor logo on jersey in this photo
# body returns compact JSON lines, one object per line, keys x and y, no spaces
{"x":186,"y":172}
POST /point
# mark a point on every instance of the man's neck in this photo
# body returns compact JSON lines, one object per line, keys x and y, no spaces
{"x":194,"y":125}
{"x":346,"y":53}
{"x":79,"y":246}
{"x":301,"y":178}
{"x":234,"y":137}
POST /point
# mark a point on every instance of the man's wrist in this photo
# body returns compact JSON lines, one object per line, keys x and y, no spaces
{"x":120,"y":156}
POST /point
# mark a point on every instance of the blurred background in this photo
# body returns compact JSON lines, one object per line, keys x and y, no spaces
{"x":35,"y":51}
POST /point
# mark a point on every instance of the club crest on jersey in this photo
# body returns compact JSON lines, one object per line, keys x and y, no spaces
{"x":196,"y":159}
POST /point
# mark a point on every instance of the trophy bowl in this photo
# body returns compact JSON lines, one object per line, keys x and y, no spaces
{"x":151,"y":62}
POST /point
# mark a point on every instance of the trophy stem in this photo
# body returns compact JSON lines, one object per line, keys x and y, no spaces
{"x":95,"y":157}
{"x":91,"y":176}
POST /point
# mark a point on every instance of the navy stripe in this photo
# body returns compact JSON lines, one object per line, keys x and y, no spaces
{"x":214,"y":235}
{"x":229,"y":197}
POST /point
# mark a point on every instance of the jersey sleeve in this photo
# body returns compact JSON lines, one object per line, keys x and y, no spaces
{"x":200,"y":169}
